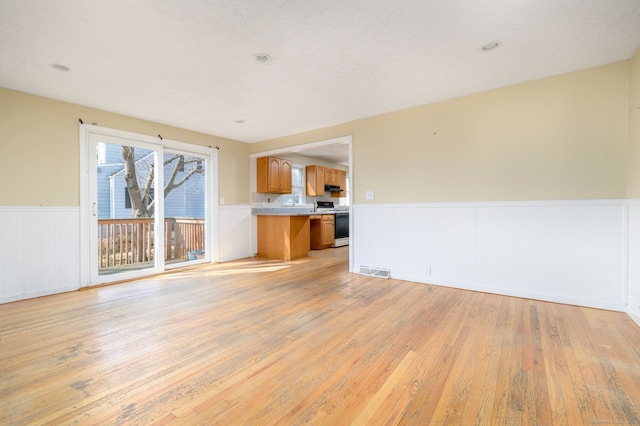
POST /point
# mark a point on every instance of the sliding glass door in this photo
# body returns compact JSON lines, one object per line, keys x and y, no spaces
{"x":148,"y":207}
{"x":125,"y":211}
{"x":185,"y":201}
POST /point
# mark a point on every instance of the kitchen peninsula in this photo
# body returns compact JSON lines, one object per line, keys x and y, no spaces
{"x":284,"y":236}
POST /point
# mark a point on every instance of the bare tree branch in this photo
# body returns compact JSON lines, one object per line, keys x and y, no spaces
{"x":141,"y":202}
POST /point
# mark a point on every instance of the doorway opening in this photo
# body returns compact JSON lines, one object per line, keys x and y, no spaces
{"x":336,"y":151}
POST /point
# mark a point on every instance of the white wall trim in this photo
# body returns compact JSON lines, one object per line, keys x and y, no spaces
{"x":633,"y":314}
{"x":565,"y":251}
{"x":236,"y":234}
{"x":42,"y":209}
{"x":300,"y":148}
{"x":505,"y":291}
{"x":40,"y":247}
{"x":39,"y":293}
{"x":632,"y":270}
{"x":526,"y":203}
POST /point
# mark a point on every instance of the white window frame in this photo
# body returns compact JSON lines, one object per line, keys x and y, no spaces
{"x":287,"y":199}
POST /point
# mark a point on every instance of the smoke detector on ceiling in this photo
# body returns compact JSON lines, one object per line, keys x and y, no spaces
{"x":490,"y":46}
{"x":262,"y":58}
{"x":60,"y":67}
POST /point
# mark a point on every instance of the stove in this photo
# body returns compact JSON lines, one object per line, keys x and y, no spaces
{"x":329,"y":207}
{"x":341,"y":223}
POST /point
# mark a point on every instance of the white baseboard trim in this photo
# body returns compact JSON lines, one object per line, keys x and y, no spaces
{"x":546,"y":297}
{"x":35,"y":294}
{"x":633,"y":314}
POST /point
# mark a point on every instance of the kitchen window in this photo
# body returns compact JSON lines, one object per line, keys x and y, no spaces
{"x":296,"y":198}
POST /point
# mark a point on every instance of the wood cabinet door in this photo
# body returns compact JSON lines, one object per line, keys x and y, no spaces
{"x":342,"y":183}
{"x":328,"y":230}
{"x":315,"y":181}
{"x":330,"y":176}
{"x":285,"y":176}
{"x":273,"y":175}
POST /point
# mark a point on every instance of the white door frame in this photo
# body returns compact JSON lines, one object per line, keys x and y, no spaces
{"x":347,"y":139}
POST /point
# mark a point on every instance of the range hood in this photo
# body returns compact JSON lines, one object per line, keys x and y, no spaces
{"x":332,"y":188}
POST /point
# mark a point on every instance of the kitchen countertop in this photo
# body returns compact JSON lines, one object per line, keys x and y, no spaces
{"x":292,"y":211}
{"x":284,"y":211}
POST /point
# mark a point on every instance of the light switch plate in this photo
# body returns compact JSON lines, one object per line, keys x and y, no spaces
{"x":370,"y":195}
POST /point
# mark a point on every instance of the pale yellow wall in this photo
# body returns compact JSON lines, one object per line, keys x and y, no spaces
{"x":39,"y":150}
{"x":634,"y":128}
{"x":564,"y":137}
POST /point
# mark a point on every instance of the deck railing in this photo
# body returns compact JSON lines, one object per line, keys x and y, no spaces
{"x":124,"y":242}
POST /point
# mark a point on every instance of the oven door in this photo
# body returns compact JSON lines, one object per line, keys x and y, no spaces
{"x":342,"y":225}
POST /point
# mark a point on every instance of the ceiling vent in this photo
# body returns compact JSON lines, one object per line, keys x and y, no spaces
{"x":375,"y":272}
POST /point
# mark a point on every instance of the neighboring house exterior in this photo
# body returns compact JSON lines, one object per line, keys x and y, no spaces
{"x":186,"y":201}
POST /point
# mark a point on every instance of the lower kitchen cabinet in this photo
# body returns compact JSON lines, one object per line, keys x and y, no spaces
{"x":283,"y":237}
{"x":322,"y":231}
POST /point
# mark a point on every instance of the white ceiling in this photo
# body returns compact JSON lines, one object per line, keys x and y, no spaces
{"x":190,"y":63}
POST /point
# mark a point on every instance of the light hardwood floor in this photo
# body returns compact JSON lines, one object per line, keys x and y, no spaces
{"x":261,"y":342}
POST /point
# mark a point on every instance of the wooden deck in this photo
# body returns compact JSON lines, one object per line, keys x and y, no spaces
{"x":263,"y":342}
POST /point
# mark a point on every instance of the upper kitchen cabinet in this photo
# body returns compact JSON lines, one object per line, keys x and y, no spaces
{"x":342,"y":183}
{"x":273,"y":175}
{"x":315,"y":181}
{"x":331,"y":177}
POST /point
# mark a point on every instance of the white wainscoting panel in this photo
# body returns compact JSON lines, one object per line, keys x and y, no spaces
{"x":235,"y":239}
{"x":39,"y":251}
{"x":562,"y":251}
{"x":633,"y":300}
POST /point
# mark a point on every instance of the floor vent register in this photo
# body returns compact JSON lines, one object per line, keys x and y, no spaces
{"x":375,"y":272}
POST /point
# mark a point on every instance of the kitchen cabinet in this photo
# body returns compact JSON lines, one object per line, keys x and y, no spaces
{"x":331,"y":176}
{"x":273,"y":175}
{"x":336,"y":177}
{"x":283,"y":237}
{"x":342,"y":183}
{"x":315,"y":180}
{"x":322,"y":231}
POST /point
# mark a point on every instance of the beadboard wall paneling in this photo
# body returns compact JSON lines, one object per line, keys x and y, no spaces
{"x":415,"y":242}
{"x":39,"y":251}
{"x":235,"y":239}
{"x":561,"y":251}
{"x":633,"y":273}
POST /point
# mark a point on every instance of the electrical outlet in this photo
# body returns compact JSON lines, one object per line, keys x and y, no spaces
{"x":221,"y":201}
{"x":370,"y":195}
{"x":428,"y":271}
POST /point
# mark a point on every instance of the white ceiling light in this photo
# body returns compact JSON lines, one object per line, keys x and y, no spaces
{"x":262,"y":57}
{"x":490,"y":46}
